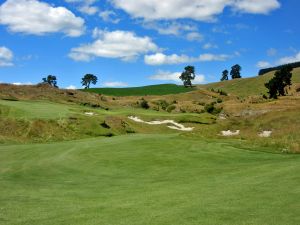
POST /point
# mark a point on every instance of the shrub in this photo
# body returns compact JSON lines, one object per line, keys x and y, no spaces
{"x":144,"y":104}
{"x":221,"y":92}
{"x":210,"y":108}
{"x":219,"y":100}
{"x":163,"y":104}
{"x":171,"y":108}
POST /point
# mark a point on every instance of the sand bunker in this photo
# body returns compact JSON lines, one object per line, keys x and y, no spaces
{"x":230,"y":133}
{"x":89,"y":113}
{"x":265,"y":133}
{"x":176,"y":126}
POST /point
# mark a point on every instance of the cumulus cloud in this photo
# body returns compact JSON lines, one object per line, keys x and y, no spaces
{"x":213,"y":57}
{"x":289,"y":59}
{"x":38,"y":18}
{"x":85,"y":6}
{"x":170,"y":28}
{"x":263,"y":64}
{"x":116,"y":44}
{"x":115,"y":84}
{"x":109,"y":16}
{"x":194,"y":36}
{"x":202,"y":10}
{"x":162,"y":59}
{"x":174,"y":76}
{"x":256,"y":6}
{"x":6,"y":57}
{"x":88,"y":9}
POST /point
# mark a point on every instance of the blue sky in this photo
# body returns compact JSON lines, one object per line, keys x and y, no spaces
{"x":134,"y":43}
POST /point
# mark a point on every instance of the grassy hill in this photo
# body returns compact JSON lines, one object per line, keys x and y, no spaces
{"x":162,"y":89}
{"x":74,"y":157}
{"x":249,"y":86}
{"x":147,"y":179}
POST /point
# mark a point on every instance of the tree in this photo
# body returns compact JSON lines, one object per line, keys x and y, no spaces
{"x":277,"y":85}
{"x":236,"y":71}
{"x":88,"y":79}
{"x":187,"y":76}
{"x":51,"y":80}
{"x":224,"y":75}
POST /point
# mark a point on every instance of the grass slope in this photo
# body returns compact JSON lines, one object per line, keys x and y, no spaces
{"x":34,"y":109}
{"x":162,"y":89}
{"x":163,"y":179}
{"x":249,"y":86}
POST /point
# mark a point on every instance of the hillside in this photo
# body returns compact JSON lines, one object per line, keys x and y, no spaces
{"x":162,"y":89}
{"x":249,"y":86}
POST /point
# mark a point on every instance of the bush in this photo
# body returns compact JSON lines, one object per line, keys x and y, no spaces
{"x":210,"y":108}
{"x":221,"y":92}
{"x":144,"y":104}
{"x":171,"y":108}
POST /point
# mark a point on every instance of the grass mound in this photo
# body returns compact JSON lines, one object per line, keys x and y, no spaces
{"x":249,"y":86}
{"x":162,"y":89}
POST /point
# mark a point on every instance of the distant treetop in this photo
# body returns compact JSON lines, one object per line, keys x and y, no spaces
{"x":267,"y":70}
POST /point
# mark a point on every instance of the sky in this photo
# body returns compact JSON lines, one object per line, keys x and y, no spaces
{"x":142,"y":42}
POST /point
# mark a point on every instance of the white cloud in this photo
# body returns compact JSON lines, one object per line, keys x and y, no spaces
{"x":116,"y":44}
{"x":256,"y":6}
{"x":209,"y":46}
{"x":162,"y":59}
{"x":263,"y":64}
{"x":213,"y":57}
{"x":85,"y":6}
{"x":194,"y":36}
{"x":109,"y":16}
{"x":174,"y":76}
{"x":170,"y":28}
{"x":115,"y":84}
{"x":38,"y":18}
{"x":6,"y":57}
{"x":88,"y":9}
{"x":71,"y":87}
{"x":202,"y":10}
{"x":289,"y":59}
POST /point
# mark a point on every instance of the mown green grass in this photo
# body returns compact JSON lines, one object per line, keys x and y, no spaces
{"x":162,"y":89}
{"x":34,"y":109}
{"x":249,"y":86}
{"x":147,"y":179}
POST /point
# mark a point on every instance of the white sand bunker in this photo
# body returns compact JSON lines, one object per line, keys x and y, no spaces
{"x":176,"y":126}
{"x":89,"y":114}
{"x":265,"y":133}
{"x":227,"y":133}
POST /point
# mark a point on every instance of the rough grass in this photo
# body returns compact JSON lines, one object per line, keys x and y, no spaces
{"x":147,"y":179}
{"x":163,"y":89}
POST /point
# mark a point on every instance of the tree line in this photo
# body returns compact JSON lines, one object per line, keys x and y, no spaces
{"x":267,"y":70}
